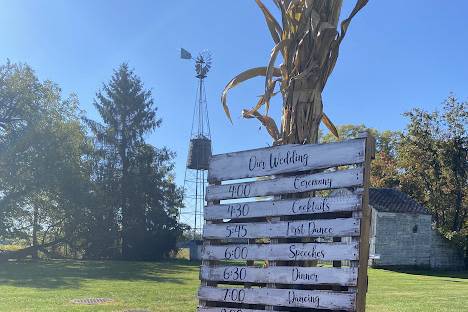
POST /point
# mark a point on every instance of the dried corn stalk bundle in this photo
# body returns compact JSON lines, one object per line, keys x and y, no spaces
{"x":308,"y":41}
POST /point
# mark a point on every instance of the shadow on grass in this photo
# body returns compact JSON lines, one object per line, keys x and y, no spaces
{"x":461,"y":274}
{"x":70,"y":273}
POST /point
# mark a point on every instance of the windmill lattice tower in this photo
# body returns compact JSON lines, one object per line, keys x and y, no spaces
{"x":195,"y":180}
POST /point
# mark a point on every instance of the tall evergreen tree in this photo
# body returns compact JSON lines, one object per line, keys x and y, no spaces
{"x":155,"y":200}
{"x":131,"y":167}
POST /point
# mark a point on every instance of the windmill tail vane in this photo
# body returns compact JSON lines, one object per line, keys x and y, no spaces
{"x":184,"y":54}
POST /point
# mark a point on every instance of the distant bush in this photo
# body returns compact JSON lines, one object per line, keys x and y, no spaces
{"x":11,"y":247}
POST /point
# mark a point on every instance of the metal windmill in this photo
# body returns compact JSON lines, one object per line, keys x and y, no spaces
{"x":199,"y":149}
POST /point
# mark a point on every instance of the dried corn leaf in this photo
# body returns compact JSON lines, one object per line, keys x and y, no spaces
{"x":309,"y":42}
{"x":345,"y":24}
{"x":273,"y":25}
{"x":260,"y":103}
{"x":266,"y":121}
{"x":327,"y":122}
{"x":246,"y":75}
{"x":270,"y":70}
{"x":344,"y":28}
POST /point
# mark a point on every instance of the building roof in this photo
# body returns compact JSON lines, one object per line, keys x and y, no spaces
{"x":392,"y":200}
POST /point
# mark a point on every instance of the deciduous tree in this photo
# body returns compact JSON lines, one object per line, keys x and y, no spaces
{"x":433,"y":157}
{"x":384,"y":169}
{"x":43,"y":174}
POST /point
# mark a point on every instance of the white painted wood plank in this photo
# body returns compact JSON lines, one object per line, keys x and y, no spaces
{"x":288,"y":229}
{"x":294,"y":184}
{"x":318,"y":299}
{"x":285,"y":158}
{"x":228,"y":310}
{"x":289,"y":251}
{"x":271,"y":208}
{"x":281,"y":275}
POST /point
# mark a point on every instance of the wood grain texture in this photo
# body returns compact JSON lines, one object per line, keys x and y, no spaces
{"x":220,"y":236}
{"x":285,"y":229}
{"x":228,"y":310}
{"x":286,"y":185}
{"x":281,"y":275}
{"x":284,"y":159}
{"x":365,"y":226}
{"x":271,"y":208}
{"x":318,"y":299}
{"x":288,"y":251}
{"x":206,"y":262}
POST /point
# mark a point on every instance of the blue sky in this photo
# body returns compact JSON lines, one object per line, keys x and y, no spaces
{"x":397,"y":55}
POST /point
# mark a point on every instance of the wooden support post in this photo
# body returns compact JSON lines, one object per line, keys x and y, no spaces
{"x":365,"y":225}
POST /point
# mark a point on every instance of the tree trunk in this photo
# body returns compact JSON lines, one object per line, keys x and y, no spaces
{"x":5,"y":255}
{"x":459,"y":175}
{"x":124,"y":203}
{"x":34,"y":253}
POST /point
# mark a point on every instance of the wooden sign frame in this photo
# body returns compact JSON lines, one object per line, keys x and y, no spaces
{"x":264,"y":236}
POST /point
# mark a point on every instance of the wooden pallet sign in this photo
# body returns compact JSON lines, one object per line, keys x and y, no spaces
{"x":278,"y":237}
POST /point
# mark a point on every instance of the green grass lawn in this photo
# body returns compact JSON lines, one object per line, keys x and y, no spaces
{"x":171,"y":286}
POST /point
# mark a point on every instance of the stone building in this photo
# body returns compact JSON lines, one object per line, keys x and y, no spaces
{"x":402,"y":234}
